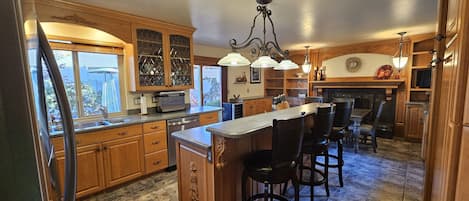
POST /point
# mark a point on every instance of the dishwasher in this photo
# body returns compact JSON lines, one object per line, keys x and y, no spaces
{"x":178,"y":124}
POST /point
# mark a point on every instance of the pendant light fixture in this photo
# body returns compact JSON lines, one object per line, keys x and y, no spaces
{"x":306,"y":67}
{"x":260,"y":46}
{"x":400,"y":58}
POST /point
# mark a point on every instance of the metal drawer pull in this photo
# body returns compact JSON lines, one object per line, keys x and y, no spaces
{"x":122,"y":133}
{"x":155,"y":142}
{"x":157,"y":162}
{"x":154,"y":127}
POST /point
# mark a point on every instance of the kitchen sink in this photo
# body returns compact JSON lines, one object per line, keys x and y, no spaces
{"x":93,"y":124}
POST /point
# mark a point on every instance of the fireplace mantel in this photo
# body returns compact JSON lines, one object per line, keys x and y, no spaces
{"x":357,"y":83}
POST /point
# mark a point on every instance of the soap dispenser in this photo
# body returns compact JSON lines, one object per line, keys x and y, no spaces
{"x":143,"y":105}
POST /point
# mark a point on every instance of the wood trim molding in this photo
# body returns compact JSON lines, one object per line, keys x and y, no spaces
{"x":219,"y":152}
{"x":194,"y":190}
{"x":205,"y":61}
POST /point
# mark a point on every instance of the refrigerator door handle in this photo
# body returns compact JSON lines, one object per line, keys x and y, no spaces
{"x":67,"y":120}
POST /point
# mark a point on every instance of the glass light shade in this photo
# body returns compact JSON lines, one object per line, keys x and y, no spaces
{"x":264,"y":62}
{"x":399,"y":64}
{"x":286,"y":64}
{"x":233,"y":59}
{"x":306,"y":67}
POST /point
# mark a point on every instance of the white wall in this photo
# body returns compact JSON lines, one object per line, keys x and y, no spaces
{"x":370,"y":64}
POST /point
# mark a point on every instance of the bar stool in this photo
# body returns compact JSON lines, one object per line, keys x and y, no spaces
{"x":279,"y":165}
{"x":317,"y":127}
{"x":343,"y":112}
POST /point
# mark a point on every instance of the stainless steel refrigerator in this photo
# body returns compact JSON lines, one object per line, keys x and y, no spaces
{"x":27,"y":165}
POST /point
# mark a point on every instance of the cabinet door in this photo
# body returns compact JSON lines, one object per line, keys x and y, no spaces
{"x":182,"y":70}
{"x":249,"y":108}
{"x":90,"y":172}
{"x":414,"y":121}
{"x":123,"y":160}
{"x":208,"y":118}
{"x":149,"y":58}
{"x":193,"y":170}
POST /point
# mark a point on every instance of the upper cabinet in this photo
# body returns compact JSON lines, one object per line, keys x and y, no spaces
{"x":163,"y":59}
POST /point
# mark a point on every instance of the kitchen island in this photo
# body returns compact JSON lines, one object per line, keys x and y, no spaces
{"x":210,"y":158}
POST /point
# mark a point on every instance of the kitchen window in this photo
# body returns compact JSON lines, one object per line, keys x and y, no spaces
{"x":92,"y":77}
{"x":207,"y":86}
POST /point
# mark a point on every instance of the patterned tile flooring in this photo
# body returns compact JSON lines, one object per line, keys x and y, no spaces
{"x":395,"y":173}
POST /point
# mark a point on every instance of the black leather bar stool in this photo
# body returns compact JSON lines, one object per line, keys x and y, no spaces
{"x":317,"y":127}
{"x":343,"y":111}
{"x":279,"y":165}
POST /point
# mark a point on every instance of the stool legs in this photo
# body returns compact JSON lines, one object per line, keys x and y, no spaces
{"x":296,"y":186}
{"x":311,"y":176}
{"x":340,"y":160}
{"x":326,"y":171}
{"x":243,"y":185}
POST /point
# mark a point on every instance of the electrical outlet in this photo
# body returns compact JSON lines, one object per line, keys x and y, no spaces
{"x":137,"y":101}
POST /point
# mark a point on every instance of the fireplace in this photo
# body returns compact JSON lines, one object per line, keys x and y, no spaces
{"x":369,"y":98}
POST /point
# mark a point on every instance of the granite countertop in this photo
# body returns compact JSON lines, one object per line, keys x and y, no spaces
{"x":138,"y":119}
{"x":245,"y":126}
{"x":198,"y":136}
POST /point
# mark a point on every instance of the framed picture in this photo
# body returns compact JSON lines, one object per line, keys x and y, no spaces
{"x":255,"y":75}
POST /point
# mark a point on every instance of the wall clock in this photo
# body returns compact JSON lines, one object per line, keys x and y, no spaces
{"x":353,"y":64}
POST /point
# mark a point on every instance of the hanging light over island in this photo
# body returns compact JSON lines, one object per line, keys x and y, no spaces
{"x":260,"y":46}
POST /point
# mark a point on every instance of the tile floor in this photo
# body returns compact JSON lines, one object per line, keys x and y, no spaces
{"x":395,"y":173}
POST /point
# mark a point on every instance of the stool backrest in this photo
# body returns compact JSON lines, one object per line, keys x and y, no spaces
{"x":343,"y":112}
{"x":287,"y":138}
{"x":378,"y":115}
{"x":323,"y":122}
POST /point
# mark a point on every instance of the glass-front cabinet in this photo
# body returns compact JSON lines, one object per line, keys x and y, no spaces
{"x":181,"y":61}
{"x":163,"y":59}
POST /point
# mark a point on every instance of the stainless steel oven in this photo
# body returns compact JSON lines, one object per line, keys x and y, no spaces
{"x":174,"y":125}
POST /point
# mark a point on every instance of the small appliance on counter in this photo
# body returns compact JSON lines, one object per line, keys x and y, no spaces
{"x":170,"y":101}
{"x":232,"y":111}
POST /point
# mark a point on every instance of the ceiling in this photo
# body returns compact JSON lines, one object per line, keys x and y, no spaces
{"x":297,"y":22}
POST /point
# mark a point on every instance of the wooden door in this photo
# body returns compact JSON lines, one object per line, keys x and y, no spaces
{"x":249,"y":108}
{"x":123,"y":160}
{"x":90,"y":172}
{"x":193,"y":170}
{"x":414,"y":121}
{"x":463,"y":175}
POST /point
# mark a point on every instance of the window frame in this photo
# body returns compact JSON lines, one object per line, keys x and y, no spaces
{"x":75,"y":49}
{"x":201,"y":76}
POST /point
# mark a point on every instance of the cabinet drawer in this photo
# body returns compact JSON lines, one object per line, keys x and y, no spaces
{"x":100,"y":136}
{"x":154,"y":142}
{"x":208,"y":118}
{"x":156,"y":161}
{"x":154,"y":126}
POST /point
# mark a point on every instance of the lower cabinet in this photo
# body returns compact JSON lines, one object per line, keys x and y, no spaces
{"x":123,"y":160}
{"x":90,"y":169}
{"x":257,"y":106}
{"x":194,"y":174}
{"x":208,"y":118}
{"x":415,"y":121}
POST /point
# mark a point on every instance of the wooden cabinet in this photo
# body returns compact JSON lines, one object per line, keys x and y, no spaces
{"x":287,"y":82}
{"x":208,"y":118}
{"x":90,"y":172}
{"x":195,"y":174}
{"x":415,"y":121}
{"x":104,"y":158}
{"x":156,"y":148}
{"x":123,"y":160}
{"x":257,"y":106}
{"x":163,"y":58}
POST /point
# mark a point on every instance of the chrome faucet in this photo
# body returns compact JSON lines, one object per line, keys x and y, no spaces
{"x":104,"y":112}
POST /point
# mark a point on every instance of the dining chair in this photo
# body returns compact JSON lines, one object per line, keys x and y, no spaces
{"x":369,"y":130}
